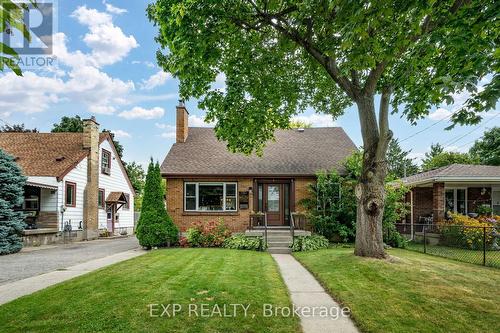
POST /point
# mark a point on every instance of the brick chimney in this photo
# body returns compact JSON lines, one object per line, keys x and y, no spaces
{"x":91,"y":193}
{"x":181,"y":122}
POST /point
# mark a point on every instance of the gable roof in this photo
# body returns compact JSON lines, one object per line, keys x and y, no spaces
{"x":455,"y":172}
{"x":46,"y":154}
{"x":294,"y":153}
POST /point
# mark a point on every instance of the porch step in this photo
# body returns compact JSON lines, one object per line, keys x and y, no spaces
{"x":279,"y":250}
{"x":274,"y":243}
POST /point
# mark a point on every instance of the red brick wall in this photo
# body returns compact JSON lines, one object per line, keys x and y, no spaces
{"x":237,"y":221}
{"x":422,"y":202}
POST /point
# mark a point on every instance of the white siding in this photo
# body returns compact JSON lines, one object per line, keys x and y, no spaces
{"x":115,"y":182}
{"x":48,"y":200}
{"x":78,"y":176}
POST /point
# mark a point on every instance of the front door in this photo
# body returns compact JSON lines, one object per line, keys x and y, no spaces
{"x":110,"y":215}
{"x":273,"y":203}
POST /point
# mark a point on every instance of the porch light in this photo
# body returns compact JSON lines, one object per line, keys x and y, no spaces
{"x":483,"y":191}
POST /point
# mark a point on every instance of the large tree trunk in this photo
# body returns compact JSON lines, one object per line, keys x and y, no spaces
{"x":370,"y":191}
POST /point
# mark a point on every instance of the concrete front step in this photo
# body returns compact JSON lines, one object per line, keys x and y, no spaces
{"x":271,"y":232}
{"x":273,"y":243}
{"x":279,"y":238}
{"x":279,"y":250}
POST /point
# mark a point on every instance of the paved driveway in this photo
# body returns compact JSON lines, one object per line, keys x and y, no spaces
{"x":22,"y":265}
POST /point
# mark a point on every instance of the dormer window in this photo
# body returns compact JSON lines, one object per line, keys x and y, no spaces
{"x":106,"y":162}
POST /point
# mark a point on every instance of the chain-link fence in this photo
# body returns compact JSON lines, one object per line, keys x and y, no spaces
{"x":476,"y":245}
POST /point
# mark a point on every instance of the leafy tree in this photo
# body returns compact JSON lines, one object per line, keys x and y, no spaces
{"x":69,"y":124}
{"x":398,"y":163}
{"x":436,"y":149}
{"x":12,"y":18}
{"x":487,"y":149}
{"x":75,"y":125}
{"x":280,"y":57}
{"x":155,"y":227}
{"x":447,"y":158}
{"x":12,"y":184}
{"x":137,"y":177}
{"x":295,"y":123}
{"x":17,"y":129}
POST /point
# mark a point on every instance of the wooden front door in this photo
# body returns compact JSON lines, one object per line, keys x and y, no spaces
{"x":273,"y":204}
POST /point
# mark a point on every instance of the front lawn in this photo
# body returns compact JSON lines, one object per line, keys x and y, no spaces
{"x":413,"y":292}
{"x":116,"y":299}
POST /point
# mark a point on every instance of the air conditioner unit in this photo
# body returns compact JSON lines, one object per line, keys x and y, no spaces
{"x":106,"y":170}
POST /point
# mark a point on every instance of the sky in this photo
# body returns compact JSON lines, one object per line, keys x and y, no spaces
{"x":106,"y":67}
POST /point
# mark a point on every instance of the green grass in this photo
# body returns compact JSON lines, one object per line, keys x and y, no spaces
{"x":116,"y":299}
{"x":465,"y":255}
{"x":412,"y":292}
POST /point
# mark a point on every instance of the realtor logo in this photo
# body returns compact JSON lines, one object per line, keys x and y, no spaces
{"x":28,"y":18}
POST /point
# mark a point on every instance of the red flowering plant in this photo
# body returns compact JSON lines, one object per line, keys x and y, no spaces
{"x":210,"y":234}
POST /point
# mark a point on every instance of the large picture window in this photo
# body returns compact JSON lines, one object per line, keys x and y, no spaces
{"x":210,"y":197}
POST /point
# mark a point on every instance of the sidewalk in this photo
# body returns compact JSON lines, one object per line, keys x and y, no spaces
{"x":308,"y":294}
{"x":11,"y":291}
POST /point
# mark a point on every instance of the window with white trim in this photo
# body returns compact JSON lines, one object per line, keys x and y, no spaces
{"x":210,"y":197}
{"x":456,"y":200}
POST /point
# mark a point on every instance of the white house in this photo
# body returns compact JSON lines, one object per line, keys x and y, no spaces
{"x":76,"y":181}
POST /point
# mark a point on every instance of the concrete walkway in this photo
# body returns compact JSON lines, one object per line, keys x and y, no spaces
{"x":13,"y":290}
{"x":319,"y":312}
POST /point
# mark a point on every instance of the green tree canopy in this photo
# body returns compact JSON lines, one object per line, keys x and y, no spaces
{"x":446,"y":158}
{"x":12,"y":20}
{"x":280,"y":57}
{"x":398,"y":163}
{"x":487,"y":148}
{"x":295,"y":123}
{"x":137,"y":176}
{"x":17,"y":129}
{"x":75,"y":125}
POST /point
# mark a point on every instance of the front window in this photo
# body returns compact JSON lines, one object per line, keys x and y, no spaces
{"x":210,"y":197}
{"x":456,"y":200}
{"x":70,"y":199}
{"x":106,"y":162}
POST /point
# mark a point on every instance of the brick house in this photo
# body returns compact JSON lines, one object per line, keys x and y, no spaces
{"x":206,"y":182}
{"x":74,"y":181}
{"x":454,"y":188}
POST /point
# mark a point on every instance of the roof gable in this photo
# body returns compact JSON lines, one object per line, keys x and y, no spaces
{"x":293,"y":153}
{"x":45,"y":154}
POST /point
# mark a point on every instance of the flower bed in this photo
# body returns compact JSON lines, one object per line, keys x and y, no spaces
{"x":467,"y":232}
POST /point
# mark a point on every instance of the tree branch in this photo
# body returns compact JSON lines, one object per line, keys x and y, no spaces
{"x":383,"y":123}
{"x":373,"y":77}
{"x":327,"y":62}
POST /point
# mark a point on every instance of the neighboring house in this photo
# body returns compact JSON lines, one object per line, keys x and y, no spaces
{"x":457,"y":188}
{"x":74,"y":179}
{"x":207,"y":182}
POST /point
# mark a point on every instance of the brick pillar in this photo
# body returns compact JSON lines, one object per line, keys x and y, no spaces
{"x":438,"y":202}
{"x":181,"y":122}
{"x":90,"y":203}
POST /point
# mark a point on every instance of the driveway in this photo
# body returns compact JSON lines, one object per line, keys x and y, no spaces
{"x":22,"y":265}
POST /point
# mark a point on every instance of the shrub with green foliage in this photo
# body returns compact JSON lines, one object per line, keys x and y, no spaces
{"x":331,"y":206}
{"x":309,"y":243}
{"x":12,"y":224}
{"x":395,"y":210}
{"x":211,"y":234}
{"x":155,"y":227}
{"x":242,"y":242}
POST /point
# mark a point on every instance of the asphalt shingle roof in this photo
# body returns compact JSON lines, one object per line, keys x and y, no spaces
{"x":293,"y":153}
{"x":45,"y":154}
{"x":455,"y":170}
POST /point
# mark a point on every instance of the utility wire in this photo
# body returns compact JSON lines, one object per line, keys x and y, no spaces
{"x":430,"y":126}
{"x":473,"y":130}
